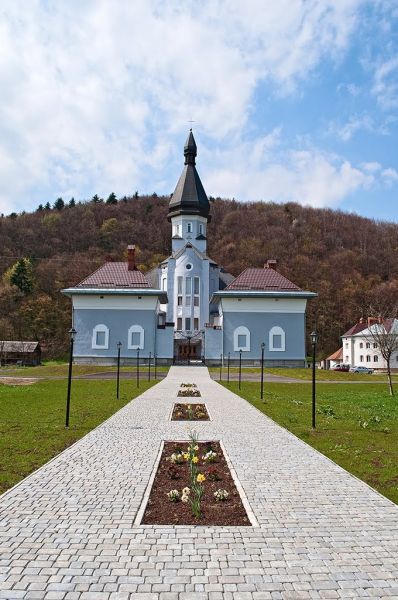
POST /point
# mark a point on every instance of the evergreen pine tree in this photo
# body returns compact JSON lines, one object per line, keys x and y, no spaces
{"x":59,"y":204}
{"x":22,"y":276}
{"x":39,"y":208}
{"x":112,"y":199}
{"x":72,"y":203}
{"x":47,"y":206}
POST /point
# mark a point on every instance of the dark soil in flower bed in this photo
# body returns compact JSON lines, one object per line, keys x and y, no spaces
{"x":190,"y":412}
{"x":187,"y":393}
{"x":161,"y":511}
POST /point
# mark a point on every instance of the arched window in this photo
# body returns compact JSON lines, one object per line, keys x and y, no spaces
{"x":361,"y":345}
{"x":277,"y":342}
{"x":242,"y":339}
{"x":135,"y":339}
{"x":375,"y":359}
{"x":100,"y":339}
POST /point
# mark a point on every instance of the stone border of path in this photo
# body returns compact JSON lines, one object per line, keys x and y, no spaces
{"x":141,"y":511}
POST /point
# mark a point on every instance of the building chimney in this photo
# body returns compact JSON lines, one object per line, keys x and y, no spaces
{"x":131,"y":258}
{"x":362,"y":320}
{"x":372,"y":321}
{"x":380,"y":320}
{"x":270,"y":264}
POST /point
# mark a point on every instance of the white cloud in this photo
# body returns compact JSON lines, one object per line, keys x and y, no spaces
{"x":94,"y":93}
{"x":385,"y":85}
{"x":306,"y":176}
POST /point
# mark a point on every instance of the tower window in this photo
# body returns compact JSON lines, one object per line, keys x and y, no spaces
{"x":179,"y":324}
{"x":187,"y":324}
{"x":179,"y":291}
{"x":196,"y":323}
{"x":189,"y":227}
{"x":200,"y":228}
{"x":188,"y":266}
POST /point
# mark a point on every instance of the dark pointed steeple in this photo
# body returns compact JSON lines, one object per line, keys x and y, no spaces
{"x":189,"y":197}
{"x":190,"y":150}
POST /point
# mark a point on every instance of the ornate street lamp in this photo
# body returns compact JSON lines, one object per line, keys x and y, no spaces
{"x":72,"y":335}
{"x":262,"y":370}
{"x":314,"y":340}
{"x":119,"y":345}
{"x":240,"y":367}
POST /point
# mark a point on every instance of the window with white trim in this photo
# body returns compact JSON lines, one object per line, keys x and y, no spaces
{"x":277,"y":339}
{"x":200,"y":228}
{"x":368,"y":344}
{"x":242,"y":339}
{"x":135,"y":339}
{"x":100,"y":339}
{"x":188,"y":291}
{"x":368,"y":358}
{"x":189,"y":227}
{"x":361,"y":358}
{"x":361,"y":345}
{"x":196,"y":288}
{"x":375,"y":359}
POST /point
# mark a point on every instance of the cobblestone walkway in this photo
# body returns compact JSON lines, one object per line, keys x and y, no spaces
{"x":67,"y":531}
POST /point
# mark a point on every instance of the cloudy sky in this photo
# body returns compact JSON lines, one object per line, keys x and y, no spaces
{"x":292,"y":100}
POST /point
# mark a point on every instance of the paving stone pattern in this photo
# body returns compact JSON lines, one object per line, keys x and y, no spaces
{"x":67,"y":531}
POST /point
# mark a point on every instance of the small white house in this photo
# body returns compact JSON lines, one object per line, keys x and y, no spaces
{"x":361,"y":350}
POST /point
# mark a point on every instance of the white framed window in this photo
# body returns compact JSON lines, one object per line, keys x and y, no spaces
{"x":375,"y":346}
{"x":196,"y":324}
{"x":242,"y":339}
{"x":196,"y":288}
{"x":368,"y":344}
{"x":188,"y":324}
{"x":368,"y":358}
{"x":135,"y":338}
{"x":361,"y":345}
{"x":361,"y":358}
{"x":100,"y":339}
{"x":179,"y":323}
{"x":277,"y":339}
{"x":375,"y":359}
{"x":189,"y":227}
{"x":200,"y":228}
{"x":188,"y":291}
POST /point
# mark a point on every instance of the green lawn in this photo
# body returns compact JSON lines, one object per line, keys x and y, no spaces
{"x":32,"y":420}
{"x":60,"y":369}
{"x":357,"y":425}
{"x":306,"y":374}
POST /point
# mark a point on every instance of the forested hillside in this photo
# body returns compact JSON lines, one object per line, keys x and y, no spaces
{"x":347,"y":259}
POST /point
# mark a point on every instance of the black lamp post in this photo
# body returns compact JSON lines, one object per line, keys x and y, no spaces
{"x":149,"y":366}
{"x":240,"y":367}
{"x":220,"y":367}
{"x":155,"y":366}
{"x":119,"y":345}
{"x":138,"y":367}
{"x":262,"y":370}
{"x":72,"y":334}
{"x":314,"y":340}
{"x":229,"y":356}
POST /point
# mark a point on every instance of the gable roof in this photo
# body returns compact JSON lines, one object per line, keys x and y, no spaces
{"x":338,"y":355}
{"x":262,"y":279}
{"x":19,"y":346}
{"x":358,"y":327}
{"x":114,"y":275}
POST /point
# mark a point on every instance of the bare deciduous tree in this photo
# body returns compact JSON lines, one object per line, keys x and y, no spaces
{"x":384,"y":333}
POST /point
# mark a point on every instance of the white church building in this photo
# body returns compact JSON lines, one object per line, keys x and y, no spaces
{"x":188,"y":306}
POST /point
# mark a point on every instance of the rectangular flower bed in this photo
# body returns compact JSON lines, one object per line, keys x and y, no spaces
{"x":190,"y":412}
{"x":193,"y":485}
{"x":188,"y":393}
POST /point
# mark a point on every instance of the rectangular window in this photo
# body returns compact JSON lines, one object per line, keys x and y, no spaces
{"x":196,"y":324}
{"x":187,"y":324}
{"x":179,"y":323}
{"x":277,"y":341}
{"x":188,"y":286}
{"x":368,"y":359}
{"x":135,"y":338}
{"x":346,"y":345}
{"x":196,"y":301}
{"x":179,"y":286}
{"x":100,"y":338}
{"x":361,"y":358}
{"x":196,"y":286}
{"x":189,"y":227}
{"x":242,"y":343}
{"x":375,"y":359}
{"x":200,"y":228}
{"x":367,"y":344}
{"x":179,"y":300}
{"x":375,"y":346}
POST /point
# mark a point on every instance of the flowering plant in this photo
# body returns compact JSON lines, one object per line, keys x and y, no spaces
{"x":185,"y":494}
{"x":177,"y":458}
{"x":210,"y":456}
{"x":173,"y":495}
{"x":221,"y":495}
{"x":200,"y":478}
{"x":212,"y":474}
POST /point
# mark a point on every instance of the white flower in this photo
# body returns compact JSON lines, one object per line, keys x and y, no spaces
{"x":186,"y":491}
{"x":221,"y":495}
{"x":210,"y":456}
{"x":173,"y":495}
{"x":184,"y":498}
{"x":176,"y":458}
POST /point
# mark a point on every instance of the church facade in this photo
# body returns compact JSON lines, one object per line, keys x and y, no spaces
{"x":188,"y":307}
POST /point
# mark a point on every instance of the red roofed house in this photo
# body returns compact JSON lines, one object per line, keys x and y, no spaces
{"x":361,"y":350}
{"x":188,"y":306}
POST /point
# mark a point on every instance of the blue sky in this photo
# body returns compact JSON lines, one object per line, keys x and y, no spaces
{"x":291,"y":100}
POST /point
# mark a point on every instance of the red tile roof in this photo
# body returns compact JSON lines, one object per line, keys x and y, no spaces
{"x":262,"y":279}
{"x":338,"y":355}
{"x":115,"y":275}
{"x":355,"y":329}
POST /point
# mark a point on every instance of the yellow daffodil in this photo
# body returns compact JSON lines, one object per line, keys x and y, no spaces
{"x":195,"y":460}
{"x":186,"y":455}
{"x":200,"y":478}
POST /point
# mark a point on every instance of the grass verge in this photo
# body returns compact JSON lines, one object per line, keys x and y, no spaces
{"x":60,"y":369}
{"x":357,"y":426}
{"x":32,"y":420}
